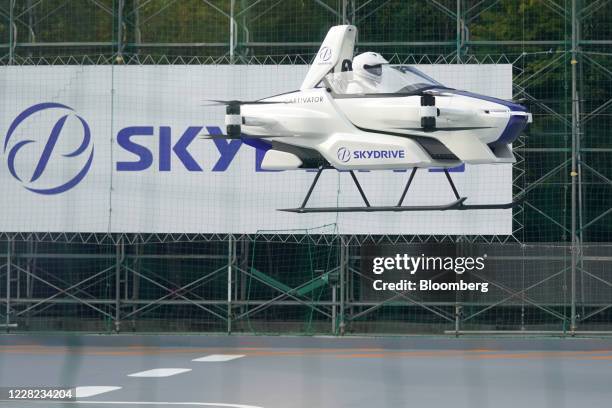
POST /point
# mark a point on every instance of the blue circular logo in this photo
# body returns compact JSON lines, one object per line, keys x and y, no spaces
{"x":325,"y":53}
{"x":344,"y":154}
{"x":43,"y":175}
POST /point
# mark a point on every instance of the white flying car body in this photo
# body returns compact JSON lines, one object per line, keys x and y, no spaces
{"x":362,"y":113}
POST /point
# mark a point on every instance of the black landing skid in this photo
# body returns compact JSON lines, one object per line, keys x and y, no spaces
{"x":458,"y":204}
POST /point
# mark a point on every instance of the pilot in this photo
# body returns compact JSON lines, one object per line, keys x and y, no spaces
{"x":367,"y":73}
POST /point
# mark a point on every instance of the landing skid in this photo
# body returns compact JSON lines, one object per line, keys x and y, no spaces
{"x":450,"y":206}
{"x":458,"y":204}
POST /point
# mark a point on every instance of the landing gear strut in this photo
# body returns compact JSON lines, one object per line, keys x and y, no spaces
{"x":458,"y":204}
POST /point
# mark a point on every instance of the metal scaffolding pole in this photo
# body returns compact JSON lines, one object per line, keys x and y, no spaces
{"x":136,"y":281}
{"x":334,"y":318}
{"x":137,"y":32}
{"x":230,"y":261}
{"x":574,"y":173}
{"x":12,"y":32}
{"x":120,"y":44}
{"x":30,"y":267}
{"x":31,"y":34}
{"x":348,"y":11}
{"x":119,"y":257}
{"x":232,"y":23}
{"x":458,"y":17}
{"x":343,"y":271}
{"x":9,"y":245}
{"x":244,"y":6}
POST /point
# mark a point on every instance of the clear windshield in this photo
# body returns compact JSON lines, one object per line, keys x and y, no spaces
{"x":393,"y":80}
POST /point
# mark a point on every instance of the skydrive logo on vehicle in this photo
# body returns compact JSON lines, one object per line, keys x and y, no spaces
{"x":379,"y":154}
{"x":345,"y":155}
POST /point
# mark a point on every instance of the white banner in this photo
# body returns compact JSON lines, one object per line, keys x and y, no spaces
{"x":116,"y":149}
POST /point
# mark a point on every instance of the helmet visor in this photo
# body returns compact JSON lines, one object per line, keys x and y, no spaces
{"x":374,"y":69}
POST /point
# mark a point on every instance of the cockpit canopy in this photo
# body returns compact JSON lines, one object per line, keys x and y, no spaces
{"x":394,"y":79}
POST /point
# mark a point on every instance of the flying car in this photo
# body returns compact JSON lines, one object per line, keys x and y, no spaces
{"x":362,"y":113}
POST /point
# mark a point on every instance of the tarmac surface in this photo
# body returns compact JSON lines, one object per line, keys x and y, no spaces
{"x":283,"y":372}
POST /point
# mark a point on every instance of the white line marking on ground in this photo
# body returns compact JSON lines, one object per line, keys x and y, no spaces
{"x":160,"y":372}
{"x":214,"y":358}
{"x":84,"y":392}
{"x":192,"y":404}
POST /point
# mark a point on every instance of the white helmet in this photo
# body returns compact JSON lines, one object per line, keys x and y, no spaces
{"x":369,"y":65}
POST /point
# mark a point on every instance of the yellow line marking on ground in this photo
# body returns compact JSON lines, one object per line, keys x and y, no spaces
{"x":343,"y":353}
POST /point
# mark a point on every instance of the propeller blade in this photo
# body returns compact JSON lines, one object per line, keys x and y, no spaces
{"x":239,"y":138}
{"x":236,"y":102}
{"x":435,"y":90}
{"x":211,"y":137}
{"x":435,"y":93}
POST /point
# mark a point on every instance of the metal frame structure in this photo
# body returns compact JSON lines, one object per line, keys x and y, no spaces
{"x":20,"y":271}
{"x":342,"y":306}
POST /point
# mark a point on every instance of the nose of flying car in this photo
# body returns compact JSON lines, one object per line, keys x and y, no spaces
{"x":511,"y":117}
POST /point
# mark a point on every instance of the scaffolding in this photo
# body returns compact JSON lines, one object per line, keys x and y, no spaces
{"x":557,"y":262}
